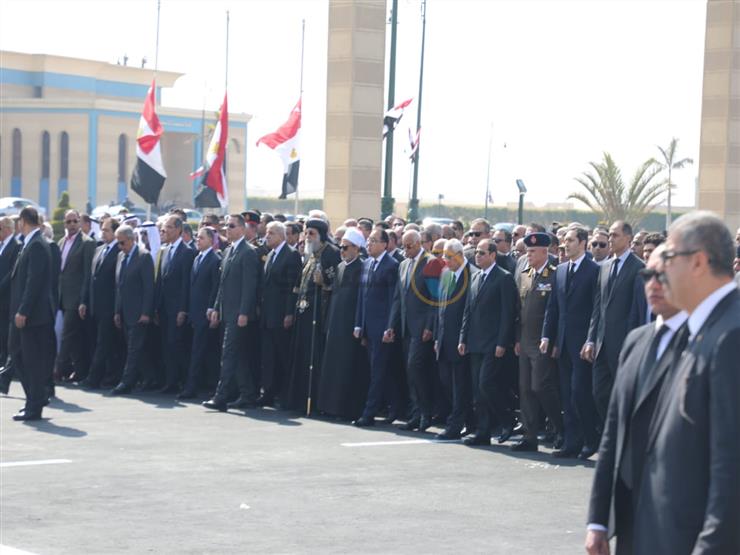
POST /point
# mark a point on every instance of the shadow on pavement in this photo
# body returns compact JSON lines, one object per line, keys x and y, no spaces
{"x":57,"y":403}
{"x":48,"y":427}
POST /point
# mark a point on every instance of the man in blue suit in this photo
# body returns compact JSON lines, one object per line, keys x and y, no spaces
{"x":204,"y":279}
{"x":379,"y":277}
{"x":566,"y":324}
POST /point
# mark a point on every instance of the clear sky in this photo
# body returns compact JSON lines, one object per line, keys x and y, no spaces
{"x":558,"y":81}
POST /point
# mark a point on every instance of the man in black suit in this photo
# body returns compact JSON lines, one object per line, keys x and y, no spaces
{"x":9,"y":249}
{"x":235,"y":306}
{"x":689,"y":498}
{"x":281,"y":270}
{"x":643,"y":363}
{"x":32,"y":330}
{"x":411,"y":321}
{"x":377,"y":287}
{"x":610,"y":320}
{"x":564,"y":332}
{"x":172,"y":293}
{"x":77,"y":250}
{"x":486,"y":333}
{"x":454,"y":369}
{"x":134,"y":304}
{"x":99,"y":303}
{"x":502,"y":238}
{"x":393,"y":249}
{"x":204,"y":279}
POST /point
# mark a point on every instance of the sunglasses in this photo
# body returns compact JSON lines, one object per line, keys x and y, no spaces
{"x":599,"y":244}
{"x":670,"y":255}
{"x":475,"y":233}
{"x":481,"y":253}
{"x":343,"y":247}
{"x":648,"y":273}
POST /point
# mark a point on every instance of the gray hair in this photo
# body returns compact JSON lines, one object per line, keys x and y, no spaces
{"x":278,"y":226}
{"x":7,"y":222}
{"x":705,"y":231}
{"x":433,"y":229}
{"x":414,"y":235}
{"x":48,"y":231}
{"x":126,"y":231}
{"x":485,"y":223}
{"x":454,"y":246}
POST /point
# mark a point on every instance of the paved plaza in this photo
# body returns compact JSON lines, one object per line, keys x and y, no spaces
{"x":148,"y":474}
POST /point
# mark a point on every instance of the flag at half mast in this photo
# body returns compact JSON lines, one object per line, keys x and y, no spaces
{"x":286,"y":142}
{"x":148,"y":177}
{"x":213,"y":191}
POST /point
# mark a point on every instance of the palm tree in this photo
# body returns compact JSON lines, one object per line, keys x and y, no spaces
{"x":607,"y":194}
{"x":669,"y":164}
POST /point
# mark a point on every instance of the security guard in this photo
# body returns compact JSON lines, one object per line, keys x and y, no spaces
{"x":538,"y":381}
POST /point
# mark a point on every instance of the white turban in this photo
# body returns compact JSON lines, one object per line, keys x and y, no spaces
{"x":354,"y":236}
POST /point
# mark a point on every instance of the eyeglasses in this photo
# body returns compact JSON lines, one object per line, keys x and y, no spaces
{"x":475,"y":233}
{"x":71,"y":221}
{"x":479,"y":252}
{"x":648,"y":273}
{"x":599,"y":244}
{"x":121,"y":243}
{"x":343,"y":247}
{"x":670,"y":255}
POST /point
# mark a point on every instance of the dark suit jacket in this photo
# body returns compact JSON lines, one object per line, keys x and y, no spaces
{"x":7,"y":261}
{"x":412,"y":310}
{"x":569,"y":312}
{"x":690,"y":494}
{"x":278,"y":298}
{"x":376,"y":296}
{"x":135,"y":291}
{"x":506,"y":262}
{"x":56,"y":268}
{"x":626,"y":412}
{"x":610,"y":319}
{"x":450,"y":314}
{"x":488,"y":319}
{"x":75,"y":276}
{"x":100,"y":296}
{"x":240,"y":279}
{"x":173,"y":284}
{"x":30,"y":283}
{"x":204,"y":282}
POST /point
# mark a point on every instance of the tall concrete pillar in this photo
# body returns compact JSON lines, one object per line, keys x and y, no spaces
{"x":719,"y":163}
{"x":354,"y":108}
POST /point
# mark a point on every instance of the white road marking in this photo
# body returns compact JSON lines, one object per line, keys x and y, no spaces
{"x":7,"y":550}
{"x":33,"y":463}
{"x":398,"y":442}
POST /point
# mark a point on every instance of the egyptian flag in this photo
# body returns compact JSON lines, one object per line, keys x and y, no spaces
{"x":149,"y":175}
{"x":393,"y":116}
{"x":213,"y":192}
{"x":286,"y":142}
{"x":414,"y":144}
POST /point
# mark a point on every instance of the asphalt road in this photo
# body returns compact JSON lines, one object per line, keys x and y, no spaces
{"x":148,"y":474}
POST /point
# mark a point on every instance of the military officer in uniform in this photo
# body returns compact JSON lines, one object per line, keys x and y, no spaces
{"x":538,"y":381}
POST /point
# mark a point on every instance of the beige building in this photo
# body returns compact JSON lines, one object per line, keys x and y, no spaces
{"x":69,"y":124}
{"x":719,"y":158}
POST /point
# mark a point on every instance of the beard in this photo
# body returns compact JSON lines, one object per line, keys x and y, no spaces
{"x":310,"y":247}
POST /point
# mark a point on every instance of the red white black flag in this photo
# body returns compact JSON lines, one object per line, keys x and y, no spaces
{"x":414,"y":144}
{"x":213,"y":191}
{"x":149,"y":175}
{"x":393,"y":116}
{"x":286,"y":142}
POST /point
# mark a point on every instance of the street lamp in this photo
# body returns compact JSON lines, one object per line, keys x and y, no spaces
{"x":522,"y":191}
{"x":440,"y":197}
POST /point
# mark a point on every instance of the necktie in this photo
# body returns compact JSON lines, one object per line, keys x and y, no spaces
{"x":613,"y":275}
{"x":102,"y":257}
{"x":198,"y":260}
{"x":124,"y":265}
{"x":571,"y":273}
{"x":453,"y":284}
{"x":651,"y":357}
{"x":409,"y":273}
{"x":270,"y":260}
{"x":170,"y":252}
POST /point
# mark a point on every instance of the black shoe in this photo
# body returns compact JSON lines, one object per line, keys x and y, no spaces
{"x":505,"y":434}
{"x":186,"y":394}
{"x":213,"y":404}
{"x":558,"y":442}
{"x":391,"y":418}
{"x":265,"y":401}
{"x":242,"y":404}
{"x":89,"y":384}
{"x":439,"y":420}
{"x":150,"y":386}
{"x":466,"y":431}
{"x":364,"y":422}
{"x":22,"y":416}
{"x":586,"y":453}
{"x":447,"y":435}
{"x":518,"y":429}
{"x":566,"y":453}
{"x":477,"y":440}
{"x":168,"y":389}
{"x":410,"y":426}
{"x":121,"y":389}
{"x":4,"y":387}
{"x":524,"y":445}
{"x":425,"y":424}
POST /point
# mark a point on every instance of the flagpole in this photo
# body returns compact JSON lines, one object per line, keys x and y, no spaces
{"x":488,"y":171}
{"x":300,"y":96}
{"x":387,"y":203}
{"x":156,"y":96}
{"x":226,"y":88}
{"x":414,"y":203}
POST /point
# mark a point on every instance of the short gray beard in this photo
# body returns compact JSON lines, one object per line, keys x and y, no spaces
{"x":309,"y":248}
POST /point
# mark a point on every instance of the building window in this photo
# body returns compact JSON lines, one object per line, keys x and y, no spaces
{"x":45,"y":154}
{"x":122,"y":170}
{"x":15,"y":179}
{"x":64,"y":156}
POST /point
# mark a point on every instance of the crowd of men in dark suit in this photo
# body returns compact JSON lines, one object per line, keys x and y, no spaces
{"x":563,"y":336}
